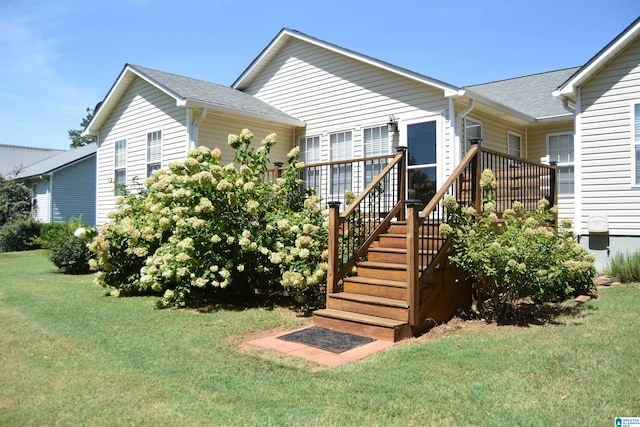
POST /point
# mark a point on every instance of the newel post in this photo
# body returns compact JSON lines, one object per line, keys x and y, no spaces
{"x":402,"y":180}
{"x":413,"y":260}
{"x":476,"y":173}
{"x":334,"y":227}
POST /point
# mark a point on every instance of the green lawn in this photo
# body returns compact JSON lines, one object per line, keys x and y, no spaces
{"x":71,"y":356}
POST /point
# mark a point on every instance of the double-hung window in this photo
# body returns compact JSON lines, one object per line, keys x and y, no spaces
{"x":154,"y":151}
{"x":472,"y":130}
{"x":636,"y":143}
{"x":341,"y":174}
{"x":310,"y":153}
{"x":560,"y":150}
{"x":120,"y":166}
{"x":376,"y":143}
{"x":514,"y":144}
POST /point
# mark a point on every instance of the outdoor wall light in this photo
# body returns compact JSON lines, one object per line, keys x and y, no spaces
{"x":392,"y":126}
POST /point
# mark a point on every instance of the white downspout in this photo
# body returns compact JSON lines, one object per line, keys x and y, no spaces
{"x":458,"y":127}
{"x":193,"y":140}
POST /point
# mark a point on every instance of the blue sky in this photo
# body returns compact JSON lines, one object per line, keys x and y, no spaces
{"x":59,"y":57}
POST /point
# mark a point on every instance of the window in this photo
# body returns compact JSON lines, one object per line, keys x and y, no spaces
{"x":560,"y":150}
{"x":472,"y":129}
{"x":310,"y":153}
{"x":154,"y":151}
{"x":636,"y":142}
{"x":376,"y":143}
{"x":341,"y":149}
{"x":120,"y":166}
{"x":514,"y":144}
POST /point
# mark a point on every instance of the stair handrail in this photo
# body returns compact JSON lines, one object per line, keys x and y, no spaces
{"x":340,"y":263}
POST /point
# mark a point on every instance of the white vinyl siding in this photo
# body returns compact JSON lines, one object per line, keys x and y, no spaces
{"x":154,"y":151}
{"x":636,"y":144}
{"x":341,"y":174}
{"x":560,"y":150}
{"x":73,"y":192}
{"x":607,"y":141}
{"x":332,"y":92}
{"x":141,"y":108}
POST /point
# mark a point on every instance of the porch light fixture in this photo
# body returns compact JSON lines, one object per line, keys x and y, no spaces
{"x":392,"y":125}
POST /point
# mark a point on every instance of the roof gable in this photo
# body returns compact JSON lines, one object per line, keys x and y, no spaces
{"x":189,"y":92}
{"x":259,"y":63}
{"x":595,"y":64}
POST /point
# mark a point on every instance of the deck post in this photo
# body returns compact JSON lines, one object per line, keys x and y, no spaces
{"x":476,"y":173}
{"x":334,"y":232}
{"x":413,"y":241}
{"x":553,"y":188}
{"x":277,"y":171}
{"x":402,"y":180}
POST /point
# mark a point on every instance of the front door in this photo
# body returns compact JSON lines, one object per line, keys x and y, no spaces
{"x":422,"y":168}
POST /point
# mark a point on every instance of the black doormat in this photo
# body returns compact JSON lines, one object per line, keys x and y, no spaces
{"x":327,"y":339}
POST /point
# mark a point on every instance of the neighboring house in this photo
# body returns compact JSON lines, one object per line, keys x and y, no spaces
{"x":336,"y":104}
{"x":14,"y":158}
{"x":64,"y":186}
{"x":605,"y":97}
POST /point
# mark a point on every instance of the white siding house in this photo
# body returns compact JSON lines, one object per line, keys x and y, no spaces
{"x":605,"y":94}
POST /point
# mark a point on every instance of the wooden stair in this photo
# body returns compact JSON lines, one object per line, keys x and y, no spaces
{"x":374,"y":303}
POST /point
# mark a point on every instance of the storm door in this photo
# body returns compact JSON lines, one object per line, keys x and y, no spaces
{"x":422,"y":168}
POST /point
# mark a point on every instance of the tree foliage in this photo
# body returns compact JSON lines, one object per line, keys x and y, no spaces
{"x":75,"y":135}
{"x":15,"y":201}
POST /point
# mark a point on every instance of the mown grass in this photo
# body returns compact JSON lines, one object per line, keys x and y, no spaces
{"x":71,"y":356}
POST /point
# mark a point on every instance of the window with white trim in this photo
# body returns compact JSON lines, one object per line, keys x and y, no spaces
{"x":514,"y":144}
{"x":341,"y":145}
{"x":472,"y":129}
{"x":636,"y":143}
{"x":376,"y":143}
{"x":310,"y":153}
{"x":154,"y":151}
{"x":120,"y":166}
{"x":560,"y":150}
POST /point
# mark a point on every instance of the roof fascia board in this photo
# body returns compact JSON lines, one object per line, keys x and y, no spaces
{"x":215,"y":108}
{"x":568,"y":88}
{"x":285,"y":33}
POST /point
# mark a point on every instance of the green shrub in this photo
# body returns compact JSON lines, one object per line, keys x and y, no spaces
{"x":19,"y":235}
{"x":55,"y":233}
{"x":524,"y":256}
{"x":624,"y":267}
{"x":202,"y":227}
{"x":15,"y":201}
{"x":71,"y":255}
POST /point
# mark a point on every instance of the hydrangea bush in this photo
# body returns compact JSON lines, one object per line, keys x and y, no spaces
{"x":523,"y":255}
{"x":203,"y":226}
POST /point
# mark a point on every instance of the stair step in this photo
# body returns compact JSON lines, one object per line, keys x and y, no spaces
{"x":377,"y":287}
{"x":362,"y":324}
{"x":382,"y":270}
{"x":369,"y":304}
{"x":391,"y":255}
{"x":399,"y":241}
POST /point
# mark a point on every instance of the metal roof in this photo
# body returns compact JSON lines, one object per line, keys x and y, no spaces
{"x":13,"y":157}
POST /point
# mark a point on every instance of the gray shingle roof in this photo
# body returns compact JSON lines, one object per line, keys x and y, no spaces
{"x":210,"y":93}
{"x":530,"y":95}
{"x":58,"y":161}
{"x":14,"y":157}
